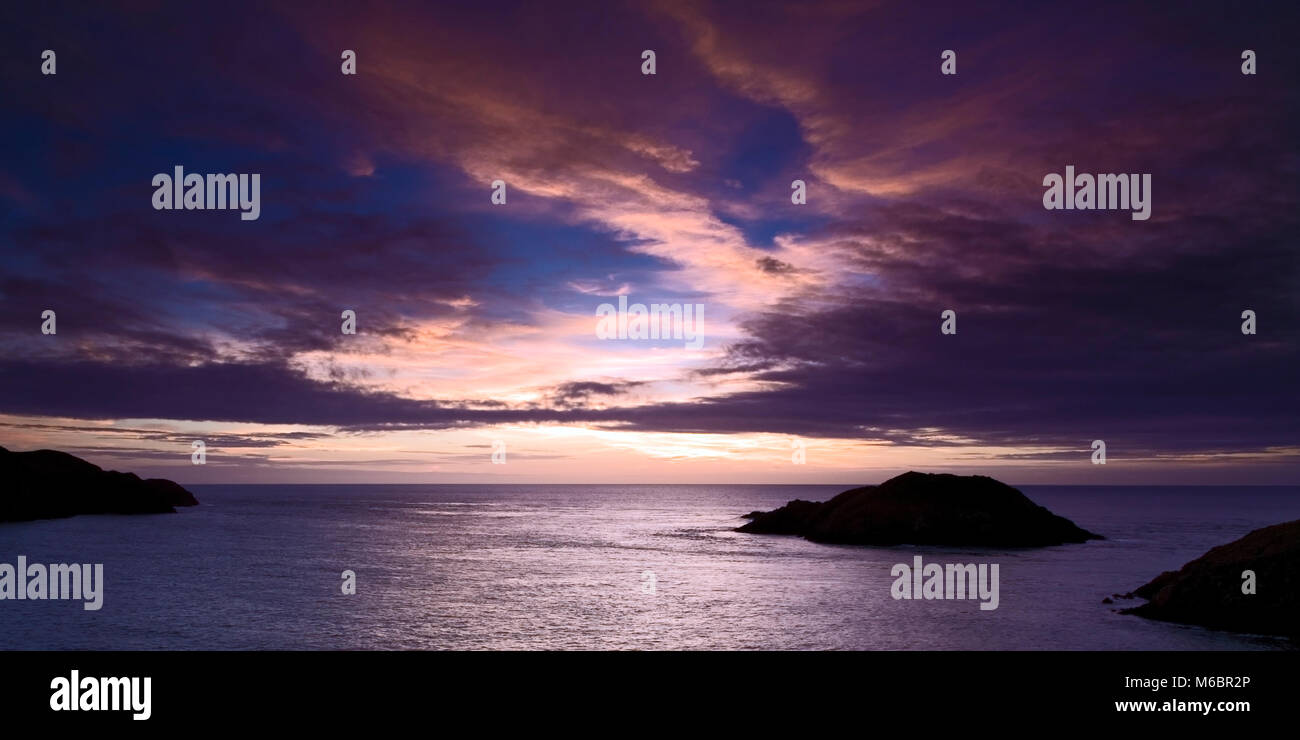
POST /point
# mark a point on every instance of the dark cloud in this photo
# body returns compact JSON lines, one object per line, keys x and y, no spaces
{"x":774,"y":266}
{"x":926,"y":191}
{"x":582,"y":391}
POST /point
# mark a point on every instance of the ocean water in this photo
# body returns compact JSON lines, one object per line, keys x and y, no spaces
{"x":565,"y":567}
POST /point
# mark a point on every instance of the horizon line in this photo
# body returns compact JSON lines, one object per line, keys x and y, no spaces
{"x":848,"y":485}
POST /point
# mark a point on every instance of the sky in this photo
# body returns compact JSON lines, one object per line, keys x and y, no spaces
{"x":822,"y":360}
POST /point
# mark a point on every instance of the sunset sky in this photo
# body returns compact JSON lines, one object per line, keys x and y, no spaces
{"x":476,"y":322}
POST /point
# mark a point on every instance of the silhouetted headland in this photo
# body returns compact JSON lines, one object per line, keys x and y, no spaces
{"x":1211,"y":590}
{"x":923,"y":509}
{"x":45,"y":484}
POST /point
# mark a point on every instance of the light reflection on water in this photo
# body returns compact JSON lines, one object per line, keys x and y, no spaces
{"x":560,"y":567}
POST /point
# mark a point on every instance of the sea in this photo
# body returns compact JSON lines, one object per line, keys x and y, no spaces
{"x":601,"y":567}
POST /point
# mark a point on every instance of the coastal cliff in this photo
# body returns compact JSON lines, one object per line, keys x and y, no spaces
{"x":45,"y":484}
{"x":923,"y":509}
{"x":1213,"y":590}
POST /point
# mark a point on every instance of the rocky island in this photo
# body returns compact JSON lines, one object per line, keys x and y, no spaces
{"x":1216,"y":591}
{"x":923,"y":509}
{"x":45,"y":484}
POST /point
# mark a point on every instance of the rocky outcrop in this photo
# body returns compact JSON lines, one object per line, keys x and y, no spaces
{"x":1211,"y":590}
{"x":923,"y":509}
{"x":45,"y":484}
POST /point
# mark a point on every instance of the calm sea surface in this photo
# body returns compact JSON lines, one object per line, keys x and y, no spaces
{"x":565,"y":567}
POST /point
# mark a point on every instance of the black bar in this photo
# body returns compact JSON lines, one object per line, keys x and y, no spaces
{"x":992,"y":691}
